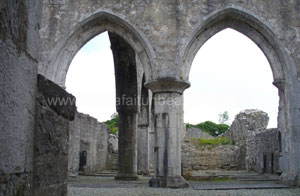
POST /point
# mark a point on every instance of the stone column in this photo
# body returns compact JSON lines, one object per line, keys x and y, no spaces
{"x":143,"y":131}
{"x":127,"y":154}
{"x":143,"y":150}
{"x":127,"y":106}
{"x":167,"y":126}
{"x":151,"y":138}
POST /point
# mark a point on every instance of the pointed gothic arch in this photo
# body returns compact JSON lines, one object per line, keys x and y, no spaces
{"x":262,"y":35}
{"x":66,"y":48}
{"x":244,"y":22}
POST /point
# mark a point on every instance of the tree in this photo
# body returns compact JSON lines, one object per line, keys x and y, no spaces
{"x":113,"y":123}
{"x":223,"y":118}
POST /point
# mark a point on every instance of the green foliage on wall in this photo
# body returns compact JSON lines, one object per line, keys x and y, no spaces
{"x":113,"y":123}
{"x":199,"y":142}
{"x":211,"y":127}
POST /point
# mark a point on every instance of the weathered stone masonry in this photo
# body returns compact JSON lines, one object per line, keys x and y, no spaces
{"x":255,"y":148}
{"x":18,"y":72}
{"x":87,"y":134}
{"x":166,"y":36}
{"x":51,"y":139}
{"x":44,"y":36}
{"x":263,"y":151}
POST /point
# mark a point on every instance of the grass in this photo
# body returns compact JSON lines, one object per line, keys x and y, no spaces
{"x":199,"y":142}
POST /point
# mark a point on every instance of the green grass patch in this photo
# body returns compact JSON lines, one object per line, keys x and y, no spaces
{"x":199,"y":142}
{"x":211,"y":128}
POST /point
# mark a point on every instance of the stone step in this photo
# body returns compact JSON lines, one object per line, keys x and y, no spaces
{"x":101,"y":174}
{"x":237,"y":176}
{"x":258,"y":178}
{"x":116,"y":185}
{"x":199,"y":186}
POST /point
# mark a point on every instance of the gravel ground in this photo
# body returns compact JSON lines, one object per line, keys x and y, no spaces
{"x":81,"y":186}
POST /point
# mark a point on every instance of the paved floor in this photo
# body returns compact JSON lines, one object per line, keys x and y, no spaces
{"x":107,"y":186}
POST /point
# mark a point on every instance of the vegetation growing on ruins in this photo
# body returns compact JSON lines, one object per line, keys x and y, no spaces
{"x":210,"y":127}
{"x":199,"y":142}
{"x":113,"y":123}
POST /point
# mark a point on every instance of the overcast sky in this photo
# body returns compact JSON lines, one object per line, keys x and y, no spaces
{"x":229,"y":73}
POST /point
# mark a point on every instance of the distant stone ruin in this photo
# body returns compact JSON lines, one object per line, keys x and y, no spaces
{"x":259,"y":146}
{"x":88,"y":145}
{"x":255,"y":147}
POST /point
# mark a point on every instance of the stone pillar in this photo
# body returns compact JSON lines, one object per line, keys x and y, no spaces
{"x":168,"y":123}
{"x":143,"y":131}
{"x":290,"y":131}
{"x":280,"y":84}
{"x":143,"y":150}
{"x":151,"y":139}
{"x":127,"y":154}
{"x":127,"y":106}
{"x":74,"y":147}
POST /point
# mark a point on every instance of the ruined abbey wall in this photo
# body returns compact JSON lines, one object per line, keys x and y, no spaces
{"x":166,"y":27}
{"x":263,"y":151}
{"x":51,"y":139}
{"x":166,"y":36}
{"x":43,"y":36}
{"x":88,"y":135}
{"x":19,"y":40}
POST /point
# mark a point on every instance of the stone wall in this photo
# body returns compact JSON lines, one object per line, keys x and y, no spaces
{"x":256,"y":149}
{"x":209,"y":158}
{"x":74,"y":147}
{"x":19,"y":40}
{"x":50,"y":163}
{"x":156,"y":22}
{"x":166,"y":36}
{"x":248,"y":130}
{"x":112,"y":154}
{"x":87,"y":134}
{"x":263,"y":151}
{"x":244,"y":122}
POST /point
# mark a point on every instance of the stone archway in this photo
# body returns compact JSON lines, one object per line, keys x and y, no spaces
{"x":56,"y":66}
{"x":130,"y":49}
{"x":249,"y":25}
{"x":246,"y":24}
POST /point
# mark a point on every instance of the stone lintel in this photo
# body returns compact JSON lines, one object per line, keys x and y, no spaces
{"x":167,"y":85}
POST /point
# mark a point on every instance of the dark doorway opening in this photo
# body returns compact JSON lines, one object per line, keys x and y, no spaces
{"x":82,"y":160}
